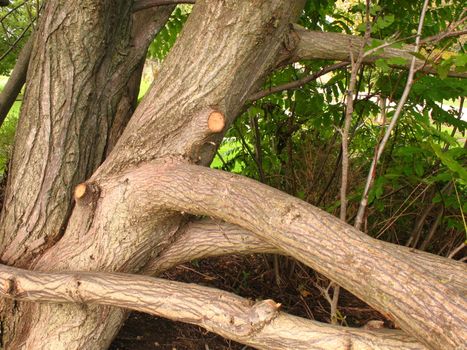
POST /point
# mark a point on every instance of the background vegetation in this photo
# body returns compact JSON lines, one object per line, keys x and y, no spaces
{"x":292,"y":140}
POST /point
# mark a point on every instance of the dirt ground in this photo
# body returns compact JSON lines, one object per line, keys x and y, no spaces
{"x":250,"y":276}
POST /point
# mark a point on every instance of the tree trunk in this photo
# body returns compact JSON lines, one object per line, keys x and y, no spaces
{"x":232,"y":44}
{"x":82,"y":85}
{"x":83,"y":81}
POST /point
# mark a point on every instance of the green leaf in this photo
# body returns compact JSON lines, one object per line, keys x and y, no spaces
{"x":397,"y":61}
{"x":419,"y":169}
{"x":450,"y":163}
{"x":382,"y":64}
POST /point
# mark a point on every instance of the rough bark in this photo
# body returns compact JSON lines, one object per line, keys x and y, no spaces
{"x":258,"y":324}
{"x":209,"y":238}
{"x":76,"y":102}
{"x":313,"y":45}
{"x":225,"y":50}
{"x":81,"y":91}
{"x":16,"y":81}
{"x":429,"y":308}
{"x":233,"y":45}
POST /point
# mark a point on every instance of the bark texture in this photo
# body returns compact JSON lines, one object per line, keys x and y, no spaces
{"x":132,"y":207}
{"x":313,"y":45}
{"x":258,"y":324}
{"x":206,"y":238}
{"x":83,"y":81}
{"x":232,"y":45}
{"x":80,"y":92}
{"x":427,"y":306}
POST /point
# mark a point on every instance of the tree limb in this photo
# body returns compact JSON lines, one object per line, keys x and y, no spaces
{"x":303,"y":44}
{"x":207,"y":238}
{"x":259,"y":324}
{"x":293,"y":85}
{"x":319,"y":240}
{"x":400,"y":105}
{"x":16,"y":81}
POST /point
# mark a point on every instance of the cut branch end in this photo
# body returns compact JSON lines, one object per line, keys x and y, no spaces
{"x":216,"y":122}
{"x":80,"y":191}
{"x":86,"y":193}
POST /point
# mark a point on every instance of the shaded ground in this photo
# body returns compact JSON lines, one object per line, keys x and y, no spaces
{"x":252,"y":277}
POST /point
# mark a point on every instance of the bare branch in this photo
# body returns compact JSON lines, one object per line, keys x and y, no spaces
{"x":259,"y":324}
{"x":317,"y":239}
{"x":18,"y":39}
{"x":16,"y":81}
{"x":205,"y":238}
{"x":380,"y":148}
{"x":293,"y":85}
{"x":208,"y":238}
{"x":315,"y":45}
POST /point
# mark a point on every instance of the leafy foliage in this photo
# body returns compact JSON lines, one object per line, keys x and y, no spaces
{"x":296,"y":146}
{"x":17,"y":21}
{"x":291,"y":140}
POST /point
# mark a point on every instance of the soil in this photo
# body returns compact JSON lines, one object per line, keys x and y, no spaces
{"x":300,"y":292}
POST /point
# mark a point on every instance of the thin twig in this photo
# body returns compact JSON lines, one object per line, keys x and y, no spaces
{"x":351,"y":92}
{"x":293,"y":85}
{"x":23,"y":33}
{"x":399,"y":108}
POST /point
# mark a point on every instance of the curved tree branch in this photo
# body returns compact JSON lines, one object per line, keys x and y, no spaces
{"x":206,"y":238}
{"x":303,"y":44}
{"x":259,"y":324}
{"x":423,"y":305}
{"x":16,"y":81}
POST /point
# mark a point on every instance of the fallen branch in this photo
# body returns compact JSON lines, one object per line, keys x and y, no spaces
{"x":258,"y":324}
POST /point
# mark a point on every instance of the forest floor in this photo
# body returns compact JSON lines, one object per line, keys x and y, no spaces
{"x":253,"y":277}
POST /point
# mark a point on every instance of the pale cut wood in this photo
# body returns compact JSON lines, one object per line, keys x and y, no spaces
{"x":80,"y":190}
{"x":216,"y":122}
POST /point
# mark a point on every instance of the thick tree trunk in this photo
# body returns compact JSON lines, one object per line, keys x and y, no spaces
{"x":83,"y":81}
{"x":132,"y":207}
{"x":224,"y":52}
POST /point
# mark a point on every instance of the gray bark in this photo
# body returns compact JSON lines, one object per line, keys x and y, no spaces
{"x":233,"y":45}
